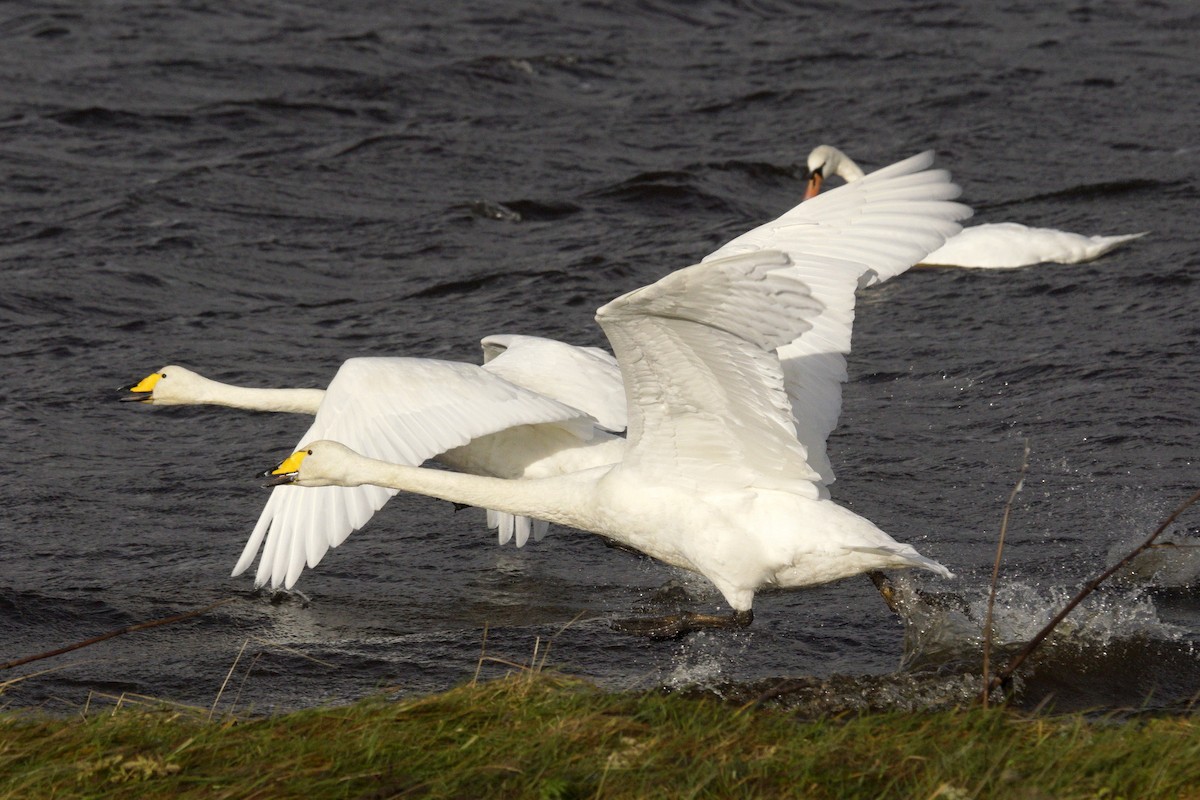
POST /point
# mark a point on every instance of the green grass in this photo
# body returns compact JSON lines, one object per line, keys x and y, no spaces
{"x":545,"y":736}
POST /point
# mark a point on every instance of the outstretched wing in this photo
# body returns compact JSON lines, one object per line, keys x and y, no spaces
{"x":873,"y":229}
{"x":403,"y":410}
{"x":887,"y":221}
{"x":704,"y":386}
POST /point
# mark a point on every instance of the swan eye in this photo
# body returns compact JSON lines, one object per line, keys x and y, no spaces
{"x":164,"y":374}
{"x":310,"y":452}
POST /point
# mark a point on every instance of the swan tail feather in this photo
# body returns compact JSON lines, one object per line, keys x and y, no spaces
{"x":905,"y":556}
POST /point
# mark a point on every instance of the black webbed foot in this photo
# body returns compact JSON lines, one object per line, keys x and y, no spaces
{"x":676,"y":626}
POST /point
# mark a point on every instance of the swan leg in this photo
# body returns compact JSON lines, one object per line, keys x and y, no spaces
{"x":676,"y":626}
{"x":892,"y":596}
{"x":886,"y":588}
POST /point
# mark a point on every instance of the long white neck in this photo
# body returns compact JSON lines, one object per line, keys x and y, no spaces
{"x":296,"y":401}
{"x":565,"y":500}
{"x":845,"y":167}
{"x":831,"y":161}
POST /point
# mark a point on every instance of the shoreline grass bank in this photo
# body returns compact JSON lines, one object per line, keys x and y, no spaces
{"x":547,"y":736}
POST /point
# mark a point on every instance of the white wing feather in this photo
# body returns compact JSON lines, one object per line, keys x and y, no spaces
{"x":727,"y":410}
{"x":586,"y":378}
{"x":403,"y":410}
{"x":888,"y":221}
{"x":861,"y":233}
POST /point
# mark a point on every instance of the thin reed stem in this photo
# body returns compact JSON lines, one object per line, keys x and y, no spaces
{"x":225,"y":682}
{"x":991,"y":604}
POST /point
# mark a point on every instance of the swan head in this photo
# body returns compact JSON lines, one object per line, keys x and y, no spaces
{"x":826,"y":160}
{"x":319,"y":463}
{"x":169,"y":386}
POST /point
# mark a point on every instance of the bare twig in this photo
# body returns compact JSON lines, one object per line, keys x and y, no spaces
{"x":533,"y":662}
{"x":134,"y":699}
{"x":1005,"y":674}
{"x":141,"y":626}
{"x":991,"y":604}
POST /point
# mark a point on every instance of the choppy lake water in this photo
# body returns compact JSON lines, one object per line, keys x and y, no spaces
{"x":260,"y":192}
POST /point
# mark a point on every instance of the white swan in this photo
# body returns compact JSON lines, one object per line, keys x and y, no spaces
{"x":715,"y":477}
{"x":584,"y":377}
{"x":409,"y":410}
{"x":997,"y":245}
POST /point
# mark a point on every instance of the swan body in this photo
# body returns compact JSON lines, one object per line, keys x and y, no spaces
{"x":741,"y":539}
{"x":715,"y":476}
{"x":999,"y":245}
{"x":1006,"y":245}
{"x":586,"y":378}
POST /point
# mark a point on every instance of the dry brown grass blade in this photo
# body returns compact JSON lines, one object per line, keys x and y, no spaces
{"x":1002,"y":677}
{"x":991,"y":604}
{"x":14,"y":681}
{"x":228,"y":675}
{"x":537,"y":663}
{"x":245,"y":676}
{"x":141,"y":626}
{"x":482,"y":655}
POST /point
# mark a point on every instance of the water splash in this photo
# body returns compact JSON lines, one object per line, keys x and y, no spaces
{"x":1114,"y":649}
{"x":704,"y":659}
{"x":948,"y":626}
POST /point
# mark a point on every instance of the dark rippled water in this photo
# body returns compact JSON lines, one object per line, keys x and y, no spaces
{"x":261,"y":191}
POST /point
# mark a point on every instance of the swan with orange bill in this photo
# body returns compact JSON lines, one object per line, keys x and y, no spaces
{"x":993,"y":245}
